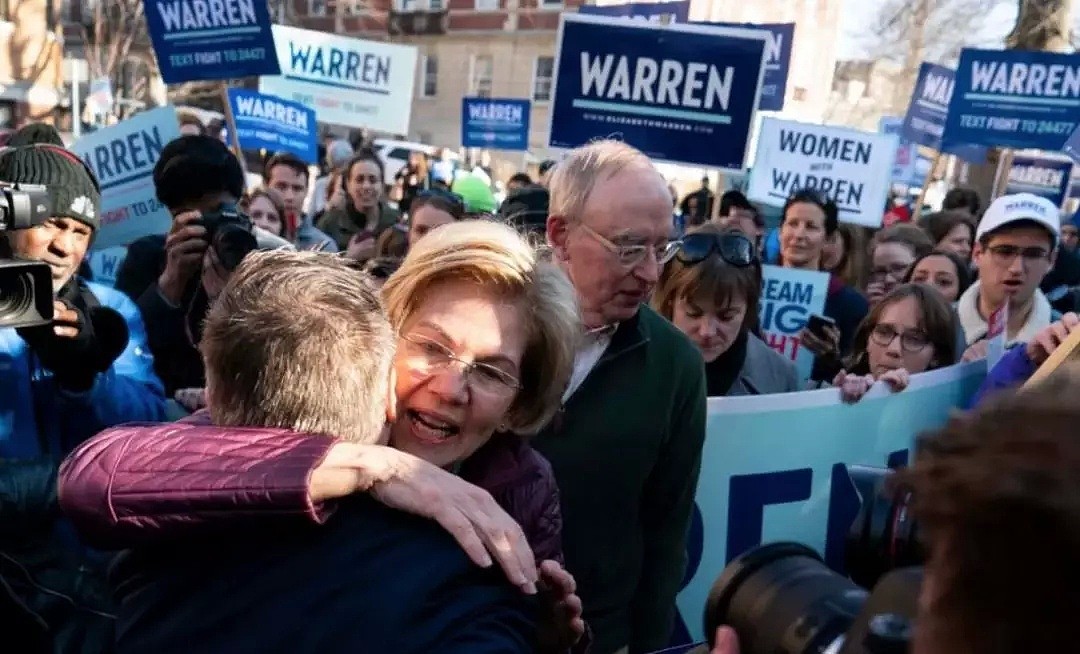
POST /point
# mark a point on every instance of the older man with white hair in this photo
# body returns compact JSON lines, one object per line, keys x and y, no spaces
{"x":626,"y":447}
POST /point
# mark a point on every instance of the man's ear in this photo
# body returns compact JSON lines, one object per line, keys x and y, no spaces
{"x":977,"y":252}
{"x":558,"y":235}
{"x":391,"y":396}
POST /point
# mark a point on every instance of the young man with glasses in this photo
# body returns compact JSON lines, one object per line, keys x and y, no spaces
{"x":1015,"y":246}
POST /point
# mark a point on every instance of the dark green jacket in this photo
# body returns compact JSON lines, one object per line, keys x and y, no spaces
{"x":343,"y":223}
{"x":626,"y":450}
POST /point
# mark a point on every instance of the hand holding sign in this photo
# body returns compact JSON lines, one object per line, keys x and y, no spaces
{"x":1048,"y":340}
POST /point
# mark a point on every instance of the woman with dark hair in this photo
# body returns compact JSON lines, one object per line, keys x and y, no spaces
{"x":953,"y":231}
{"x":962,"y":199}
{"x":942,"y":270}
{"x":357,"y":225}
{"x":807,"y":221}
{"x":911,"y":330}
{"x":892,"y":251}
{"x":710,"y":291}
{"x":845,"y":255}
{"x":432,"y":209}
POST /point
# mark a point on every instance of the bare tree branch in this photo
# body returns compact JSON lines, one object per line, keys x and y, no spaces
{"x":116,"y":29}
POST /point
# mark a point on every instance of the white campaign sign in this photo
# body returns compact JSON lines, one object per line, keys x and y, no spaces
{"x":350,"y":82}
{"x":853,"y":168}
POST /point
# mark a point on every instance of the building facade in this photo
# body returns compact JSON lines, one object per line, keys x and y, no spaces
{"x":31,"y":62}
{"x":489,"y":48}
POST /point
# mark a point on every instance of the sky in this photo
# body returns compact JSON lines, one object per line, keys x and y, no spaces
{"x":858,"y":13}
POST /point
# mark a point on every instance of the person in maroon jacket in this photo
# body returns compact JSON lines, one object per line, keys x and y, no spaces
{"x":486,"y":338}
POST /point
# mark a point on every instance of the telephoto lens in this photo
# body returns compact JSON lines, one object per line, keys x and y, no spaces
{"x":781,"y":598}
{"x":883,"y":536}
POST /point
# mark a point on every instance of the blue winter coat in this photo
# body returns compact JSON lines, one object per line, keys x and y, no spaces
{"x":37,"y":419}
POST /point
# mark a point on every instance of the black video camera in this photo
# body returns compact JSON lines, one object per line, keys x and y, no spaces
{"x":782,"y":598}
{"x":231,"y":233}
{"x":26,"y":292}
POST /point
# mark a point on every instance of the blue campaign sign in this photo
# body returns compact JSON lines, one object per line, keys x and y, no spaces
{"x":788,"y":298}
{"x":1046,"y":177}
{"x":1072,"y":146}
{"x":265,"y":122}
{"x":777,"y":61}
{"x":654,"y":12}
{"x":123,"y":157}
{"x":679,"y":93}
{"x":497,"y":123}
{"x":773,"y":469}
{"x":104,"y":264}
{"x":903,"y":170}
{"x":1015,"y":99}
{"x":211,"y":39}
{"x":924,"y":122}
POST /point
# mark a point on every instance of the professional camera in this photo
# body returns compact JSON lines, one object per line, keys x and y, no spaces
{"x":782,"y":598}
{"x":26,"y":293}
{"x":230,"y":233}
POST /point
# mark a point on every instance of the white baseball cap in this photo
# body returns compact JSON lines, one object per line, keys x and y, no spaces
{"x":1020,"y":206}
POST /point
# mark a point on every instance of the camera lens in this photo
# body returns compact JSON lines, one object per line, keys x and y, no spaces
{"x":883,"y":535}
{"x":232,"y":244}
{"x":782,"y":599}
{"x":16,"y":296}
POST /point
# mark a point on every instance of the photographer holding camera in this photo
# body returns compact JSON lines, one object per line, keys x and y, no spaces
{"x":174,"y":278}
{"x":996,"y":494}
{"x":63,"y":381}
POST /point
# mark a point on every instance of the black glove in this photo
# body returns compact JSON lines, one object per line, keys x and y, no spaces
{"x":76,"y":361}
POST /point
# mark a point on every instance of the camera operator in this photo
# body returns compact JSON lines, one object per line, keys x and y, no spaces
{"x":62,"y":383}
{"x":997,"y":497}
{"x":174,"y":278}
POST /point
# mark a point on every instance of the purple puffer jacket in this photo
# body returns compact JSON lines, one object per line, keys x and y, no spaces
{"x":143,"y":483}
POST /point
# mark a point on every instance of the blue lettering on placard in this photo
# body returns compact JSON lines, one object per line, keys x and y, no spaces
{"x":267,"y":109}
{"x":1021,"y":78}
{"x":337,"y":67}
{"x":121,"y":160}
{"x":748,"y":495}
{"x":109,"y":266}
{"x":782,"y":291}
{"x":668,"y":82}
{"x":186,"y":15}
{"x":783,"y":318}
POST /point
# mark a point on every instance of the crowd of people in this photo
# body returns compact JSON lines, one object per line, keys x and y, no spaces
{"x":327,"y":414}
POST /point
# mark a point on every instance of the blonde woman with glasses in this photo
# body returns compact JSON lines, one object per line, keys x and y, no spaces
{"x":486,"y":342}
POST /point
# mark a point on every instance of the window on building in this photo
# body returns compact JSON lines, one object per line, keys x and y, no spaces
{"x":437,"y":5}
{"x":429,"y":81}
{"x":317,"y":7}
{"x":277,"y":11}
{"x":483,"y":70}
{"x":543,"y":75}
{"x":487,"y":5}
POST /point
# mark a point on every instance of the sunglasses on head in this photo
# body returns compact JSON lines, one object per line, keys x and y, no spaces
{"x":735,"y":249}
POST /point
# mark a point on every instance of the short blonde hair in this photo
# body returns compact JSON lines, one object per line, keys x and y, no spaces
{"x":298,"y":340}
{"x":573,"y":179}
{"x":494,"y":256}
